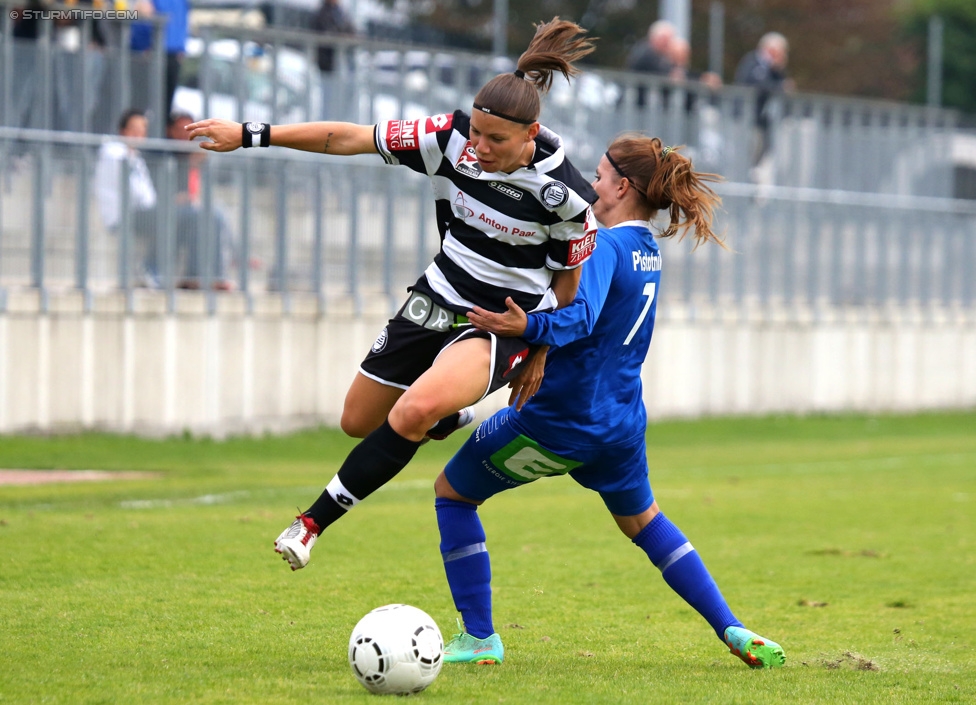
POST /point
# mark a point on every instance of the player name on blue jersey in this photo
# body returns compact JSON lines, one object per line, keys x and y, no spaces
{"x":647,"y":261}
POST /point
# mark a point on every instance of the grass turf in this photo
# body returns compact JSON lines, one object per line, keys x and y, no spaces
{"x":849,"y":540}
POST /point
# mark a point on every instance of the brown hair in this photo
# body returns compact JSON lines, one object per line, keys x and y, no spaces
{"x":666,"y":179}
{"x":555,"y":46}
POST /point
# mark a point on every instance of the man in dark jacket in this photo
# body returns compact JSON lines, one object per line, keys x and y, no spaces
{"x":331,"y":19}
{"x":765,"y":69}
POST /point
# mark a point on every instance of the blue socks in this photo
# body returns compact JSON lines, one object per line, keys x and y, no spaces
{"x":468,"y":568}
{"x":466,"y":564}
{"x":685,"y":572}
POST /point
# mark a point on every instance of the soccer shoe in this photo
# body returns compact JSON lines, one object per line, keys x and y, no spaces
{"x":295,"y":543}
{"x":464,"y":648}
{"x":754,"y":650}
{"x":446,"y":426}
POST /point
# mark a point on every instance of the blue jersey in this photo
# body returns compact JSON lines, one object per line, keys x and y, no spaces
{"x":591,"y":394}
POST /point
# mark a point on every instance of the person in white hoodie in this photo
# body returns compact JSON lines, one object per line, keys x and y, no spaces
{"x":141,"y":192}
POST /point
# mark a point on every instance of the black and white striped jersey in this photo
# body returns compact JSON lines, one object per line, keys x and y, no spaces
{"x":501,"y":234}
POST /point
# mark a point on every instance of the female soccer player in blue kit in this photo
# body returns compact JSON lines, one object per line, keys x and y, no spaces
{"x":588,"y":418}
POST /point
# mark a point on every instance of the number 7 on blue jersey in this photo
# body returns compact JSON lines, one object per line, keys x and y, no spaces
{"x":649,"y":289}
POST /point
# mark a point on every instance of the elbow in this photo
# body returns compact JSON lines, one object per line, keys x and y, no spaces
{"x":564,"y":298}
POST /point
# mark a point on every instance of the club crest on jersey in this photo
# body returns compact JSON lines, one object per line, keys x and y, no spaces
{"x":554,"y":194}
{"x":509,"y":191}
{"x":402,"y":134}
{"x":380,"y":341}
{"x":467,"y":163}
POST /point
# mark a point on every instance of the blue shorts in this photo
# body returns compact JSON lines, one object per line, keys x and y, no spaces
{"x":498,"y":457}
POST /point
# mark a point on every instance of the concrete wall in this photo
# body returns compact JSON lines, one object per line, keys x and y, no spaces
{"x":152,"y":372}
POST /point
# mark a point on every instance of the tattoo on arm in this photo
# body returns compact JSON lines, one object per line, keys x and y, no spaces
{"x":327,"y":142}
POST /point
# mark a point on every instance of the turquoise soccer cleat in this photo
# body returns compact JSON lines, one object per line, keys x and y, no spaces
{"x":754,"y":650}
{"x":464,"y":648}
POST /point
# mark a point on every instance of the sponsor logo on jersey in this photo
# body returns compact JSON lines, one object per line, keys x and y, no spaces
{"x":524,"y":460}
{"x":467,"y":163}
{"x":380,"y":341}
{"x":554,"y":194}
{"x":402,"y":135}
{"x":580,"y":249}
{"x":502,"y":228}
{"x":439,"y":123}
{"x":460,"y":207}
{"x":421,"y":310}
{"x":509,"y":191}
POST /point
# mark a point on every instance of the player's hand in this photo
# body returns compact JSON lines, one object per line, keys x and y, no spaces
{"x":509,"y":324}
{"x":529,"y":379}
{"x":224,"y":135}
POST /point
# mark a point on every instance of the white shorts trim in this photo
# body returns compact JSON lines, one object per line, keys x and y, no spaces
{"x":384,"y":382}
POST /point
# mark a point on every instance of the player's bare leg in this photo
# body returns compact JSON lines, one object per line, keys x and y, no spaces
{"x":458,"y":378}
{"x":367,"y":405}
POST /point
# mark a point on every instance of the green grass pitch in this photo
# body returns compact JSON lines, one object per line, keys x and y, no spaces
{"x":850,"y":540}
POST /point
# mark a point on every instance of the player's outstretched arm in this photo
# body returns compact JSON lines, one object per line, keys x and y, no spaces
{"x":344,"y":138}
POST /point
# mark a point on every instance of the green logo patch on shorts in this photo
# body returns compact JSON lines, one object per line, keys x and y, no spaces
{"x":524,"y":460}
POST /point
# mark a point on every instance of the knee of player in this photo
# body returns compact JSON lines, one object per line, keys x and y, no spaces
{"x":414,"y":413}
{"x":353,"y":424}
{"x":442,"y":487}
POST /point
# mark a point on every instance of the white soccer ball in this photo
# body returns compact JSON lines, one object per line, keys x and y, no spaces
{"x":396,"y":649}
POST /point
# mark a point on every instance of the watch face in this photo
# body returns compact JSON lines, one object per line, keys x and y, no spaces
{"x":254,"y":127}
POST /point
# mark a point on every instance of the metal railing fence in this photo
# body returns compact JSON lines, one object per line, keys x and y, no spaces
{"x":271,"y":75}
{"x":351,"y":230}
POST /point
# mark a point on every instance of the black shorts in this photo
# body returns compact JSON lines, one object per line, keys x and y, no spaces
{"x":412,"y":340}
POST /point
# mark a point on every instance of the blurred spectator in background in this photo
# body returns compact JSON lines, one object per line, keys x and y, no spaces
{"x":141,"y":191}
{"x":78,"y":66}
{"x":25,"y":32}
{"x":177,"y":13}
{"x":679,"y":53}
{"x":702,"y":116}
{"x":187,"y":199}
{"x":765,"y":69}
{"x":652,"y":55}
{"x":331,"y":19}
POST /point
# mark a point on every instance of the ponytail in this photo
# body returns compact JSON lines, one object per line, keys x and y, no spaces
{"x":667,"y":181}
{"x":515,"y":96}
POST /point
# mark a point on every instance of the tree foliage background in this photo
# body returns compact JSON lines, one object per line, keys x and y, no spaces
{"x":958,"y":49}
{"x":866,"y":48}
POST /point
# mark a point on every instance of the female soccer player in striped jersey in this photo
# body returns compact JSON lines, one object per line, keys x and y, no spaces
{"x":515,"y":223}
{"x":588,"y":418}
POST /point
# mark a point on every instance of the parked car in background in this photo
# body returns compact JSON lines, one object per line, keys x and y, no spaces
{"x":240,"y":83}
